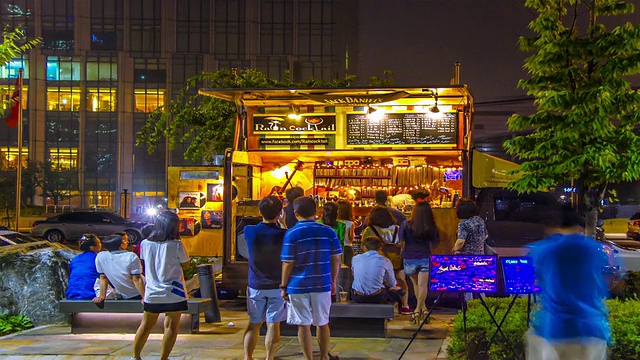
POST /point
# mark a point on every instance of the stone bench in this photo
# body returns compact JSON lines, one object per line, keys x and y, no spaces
{"x":125,"y":316}
{"x":352,"y":320}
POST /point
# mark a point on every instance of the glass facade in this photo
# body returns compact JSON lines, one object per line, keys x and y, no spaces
{"x":63,"y":68}
{"x":57,"y":26}
{"x":62,"y":139}
{"x":11,"y":69}
{"x":145,"y":38}
{"x":192,"y":26}
{"x":100,"y":153}
{"x":107,"y":25}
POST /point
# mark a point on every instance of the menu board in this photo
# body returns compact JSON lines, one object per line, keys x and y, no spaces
{"x":519,"y":275}
{"x":403,"y":129}
{"x":468,"y":273}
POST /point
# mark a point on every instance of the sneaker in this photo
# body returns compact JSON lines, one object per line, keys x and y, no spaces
{"x":406,"y":310}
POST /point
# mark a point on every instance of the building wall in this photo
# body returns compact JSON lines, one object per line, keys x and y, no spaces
{"x":105,"y":64}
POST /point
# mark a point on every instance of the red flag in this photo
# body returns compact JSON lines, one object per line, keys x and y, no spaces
{"x":13,"y":111}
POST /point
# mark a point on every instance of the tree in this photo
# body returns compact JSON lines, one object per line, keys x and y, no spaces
{"x":14,"y":43}
{"x":208,"y":124}
{"x":583,"y":129}
{"x":58,"y":182}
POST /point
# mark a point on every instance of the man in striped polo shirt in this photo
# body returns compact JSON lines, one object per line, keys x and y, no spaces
{"x":310,"y":263}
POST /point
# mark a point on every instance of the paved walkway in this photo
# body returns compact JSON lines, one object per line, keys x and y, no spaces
{"x":224,"y":341}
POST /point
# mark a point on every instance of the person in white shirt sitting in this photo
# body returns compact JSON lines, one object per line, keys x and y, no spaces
{"x":119,"y":268}
{"x":374,"y":281}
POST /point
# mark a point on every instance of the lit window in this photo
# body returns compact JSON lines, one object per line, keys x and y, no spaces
{"x":63,"y":99}
{"x":7,"y":92}
{"x":64,"y":158}
{"x":148,"y":100}
{"x":101,"y":71}
{"x":9,"y":158}
{"x":62,"y":68}
{"x":99,"y":100}
{"x":11,"y":69}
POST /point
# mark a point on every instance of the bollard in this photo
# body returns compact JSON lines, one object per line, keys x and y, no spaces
{"x":208,"y":290}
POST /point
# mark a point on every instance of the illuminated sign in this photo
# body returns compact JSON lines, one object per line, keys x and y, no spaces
{"x":199,"y":175}
{"x":306,"y":124}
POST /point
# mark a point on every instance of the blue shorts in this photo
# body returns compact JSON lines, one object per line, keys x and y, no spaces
{"x":414,"y":266}
{"x":265,"y":305}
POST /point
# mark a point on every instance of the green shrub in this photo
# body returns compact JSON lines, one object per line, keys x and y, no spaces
{"x":624,"y":319}
{"x":628,"y":288}
{"x":193,"y":265}
{"x":13,"y":323}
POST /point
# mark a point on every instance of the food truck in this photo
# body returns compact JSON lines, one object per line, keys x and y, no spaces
{"x":344,"y":143}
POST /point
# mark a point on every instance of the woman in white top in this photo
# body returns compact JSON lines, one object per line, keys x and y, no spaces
{"x":164,"y":259}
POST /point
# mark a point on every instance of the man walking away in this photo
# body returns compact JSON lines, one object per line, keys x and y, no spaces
{"x":310,"y":263}
{"x":381,"y":199}
{"x":264,"y":300}
{"x":571,"y":322}
{"x":374,"y":281}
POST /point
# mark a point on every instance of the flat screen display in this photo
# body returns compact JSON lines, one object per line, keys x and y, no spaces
{"x":466,"y":273}
{"x":519,"y":276}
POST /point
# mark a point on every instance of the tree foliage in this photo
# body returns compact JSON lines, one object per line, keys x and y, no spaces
{"x":58,"y":183}
{"x":208,"y":124}
{"x":14,"y":43}
{"x":583,"y":129}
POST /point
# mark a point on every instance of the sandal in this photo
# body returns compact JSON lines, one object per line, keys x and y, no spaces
{"x":424,"y":315}
{"x":415,"y":318}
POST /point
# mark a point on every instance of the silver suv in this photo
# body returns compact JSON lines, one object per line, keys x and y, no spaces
{"x":72,"y":225}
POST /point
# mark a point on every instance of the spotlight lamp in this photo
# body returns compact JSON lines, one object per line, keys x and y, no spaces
{"x":434,"y":108}
{"x":295,"y":113}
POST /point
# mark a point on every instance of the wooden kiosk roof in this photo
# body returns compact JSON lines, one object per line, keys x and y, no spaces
{"x":447,"y":95}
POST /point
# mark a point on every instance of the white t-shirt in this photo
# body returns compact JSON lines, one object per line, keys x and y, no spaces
{"x":164,"y":277}
{"x":119,"y":267}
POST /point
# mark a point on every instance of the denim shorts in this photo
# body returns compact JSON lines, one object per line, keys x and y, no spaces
{"x":265,"y":305}
{"x":414,"y":266}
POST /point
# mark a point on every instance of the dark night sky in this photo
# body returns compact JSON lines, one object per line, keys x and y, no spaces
{"x":421,"y":39}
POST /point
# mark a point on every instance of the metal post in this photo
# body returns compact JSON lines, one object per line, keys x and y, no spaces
{"x":19,"y":170}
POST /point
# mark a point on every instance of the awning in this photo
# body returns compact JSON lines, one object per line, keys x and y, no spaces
{"x":491,"y":172}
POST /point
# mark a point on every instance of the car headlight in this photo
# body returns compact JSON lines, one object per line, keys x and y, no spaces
{"x":151,"y":211}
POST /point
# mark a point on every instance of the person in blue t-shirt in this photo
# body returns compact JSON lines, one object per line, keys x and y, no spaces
{"x":82,"y":270}
{"x":571,"y":322}
{"x":311,"y":255}
{"x":264,"y":300}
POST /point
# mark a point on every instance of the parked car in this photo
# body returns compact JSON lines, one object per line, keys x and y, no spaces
{"x":516,"y":220}
{"x":72,"y":225}
{"x":633,"y":230}
{"x":8,"y":237}
{"x":625,"y":258}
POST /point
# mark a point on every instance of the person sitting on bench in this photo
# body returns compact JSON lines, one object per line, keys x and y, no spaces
{"x":120,"y":268}
{"x":373,"y":279}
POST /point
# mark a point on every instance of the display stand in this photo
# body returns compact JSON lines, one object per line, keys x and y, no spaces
{"x":499,"y":325}
{"x":519,"y":279}
{"x":461,"y":274}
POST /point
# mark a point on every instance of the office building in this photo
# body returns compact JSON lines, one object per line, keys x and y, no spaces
{"x":104,"y":65}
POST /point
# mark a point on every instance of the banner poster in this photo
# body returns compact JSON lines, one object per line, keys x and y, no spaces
{"x":191,"y":200}
{"x":211,"y":219}
{"x":519,"y":275}
{"x":463,"y":273}
{"x":188,"y":227}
